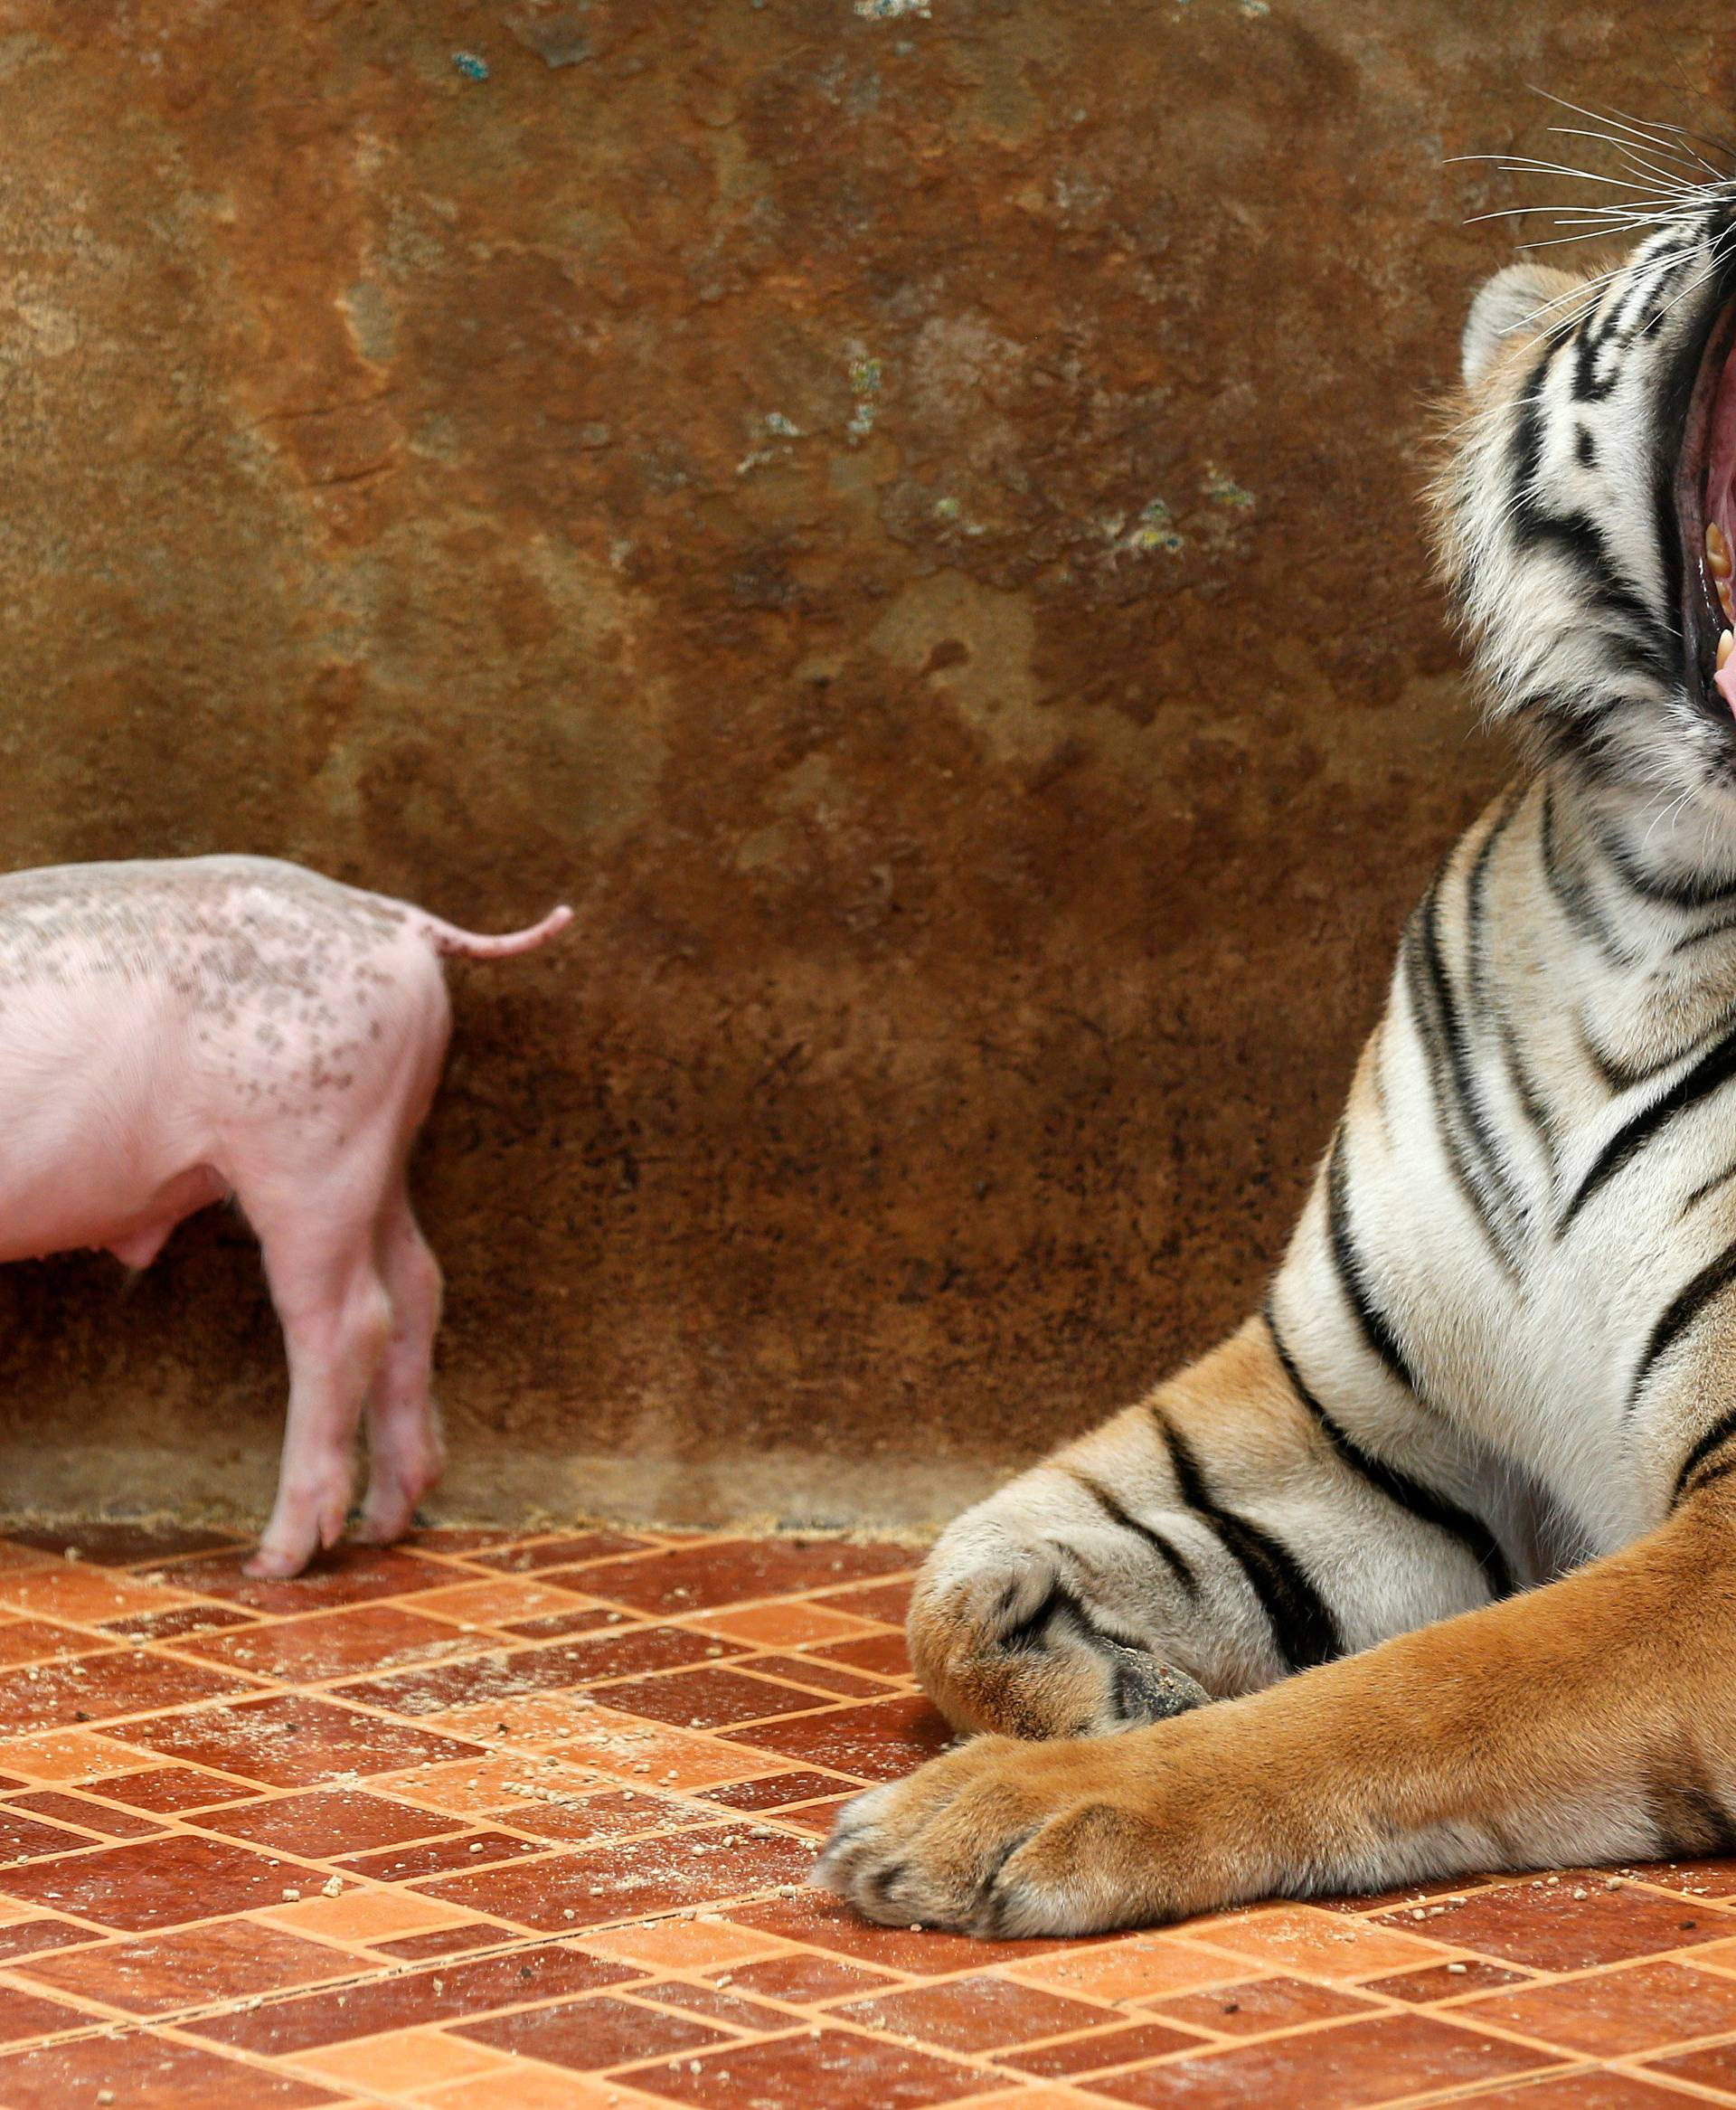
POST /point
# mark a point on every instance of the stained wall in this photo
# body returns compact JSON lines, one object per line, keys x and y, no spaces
{"x":906,"y":517}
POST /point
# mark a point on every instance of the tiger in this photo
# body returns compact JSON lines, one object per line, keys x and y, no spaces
{"x":1430,"y":1567}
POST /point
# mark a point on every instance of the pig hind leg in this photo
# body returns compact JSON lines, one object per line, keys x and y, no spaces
{"x":337,"y":1318}
{"x":405,"y":1454}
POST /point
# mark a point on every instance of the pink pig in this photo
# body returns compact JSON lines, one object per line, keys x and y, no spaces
{"x":179,"y":1032}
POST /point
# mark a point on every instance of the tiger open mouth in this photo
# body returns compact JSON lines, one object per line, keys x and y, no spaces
{"x":1718,"y":540}
{"x":1706,"y":504}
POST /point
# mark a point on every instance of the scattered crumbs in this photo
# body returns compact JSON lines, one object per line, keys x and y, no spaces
{"x":893,"y":10}
{"x":1458,"y":1970}
{"x":332,"y":1886}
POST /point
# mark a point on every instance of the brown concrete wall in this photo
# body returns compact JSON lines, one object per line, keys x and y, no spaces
{"x":905,"y":515}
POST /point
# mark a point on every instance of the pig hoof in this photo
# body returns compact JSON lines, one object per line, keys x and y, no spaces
{"x":390,"y":1510}
{"x":380,"y":1531}
{"x":268,"y":1566}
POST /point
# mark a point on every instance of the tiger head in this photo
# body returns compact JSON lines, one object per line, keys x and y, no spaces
{"x":1587,"y":510}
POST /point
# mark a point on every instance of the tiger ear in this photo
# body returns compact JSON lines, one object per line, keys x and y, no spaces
{"x":1516,"y":301}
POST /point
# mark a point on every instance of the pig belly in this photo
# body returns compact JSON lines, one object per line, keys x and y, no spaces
{"x":130,"y":1218}
{"x":80,"y":1203}
{"x":107,"y":1138}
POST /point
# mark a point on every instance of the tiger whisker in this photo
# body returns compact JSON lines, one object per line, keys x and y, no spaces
{"x":1535,"y":165}
{"x":1639,"y":164}
{"x":1659,"y":134}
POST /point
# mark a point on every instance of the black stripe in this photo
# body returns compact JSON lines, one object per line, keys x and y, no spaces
{"x":1577,"y":728}
{"x":1525,"y":1092}
{"x":1059,"y":1601}
{"x":1683,"y":894}
{"x":1601,"y":584}
{"x":1721,"y":928}
{"x":1526,"y":449}
{"x":1714,"y":1439}
{"x":1713,"y":1474}
{"x":1471,"y":1532}
{"x":1484,"y":1001}
{"x":1683,"y":1308}
{"x":1477,"y":902}
{"x":1435,"y":1010}
{"x":1612,"y":1074}
{"x":1302,"y":1627}
{"x":1708,"y":1187}
{"x":1375,"y":1330}
{"x":1572,"y":896}
{"x":1586,"y":384}
{"x":1027,"y":1632}
{"x":1621,"y":654}
{"x":1624,"y":1076}
{"x":1711,"y":1074}
{"x":1576,"y":534}
{"x":1172,"y":1557}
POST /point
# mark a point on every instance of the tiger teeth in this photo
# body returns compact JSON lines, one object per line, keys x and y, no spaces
{"x":1726,"y":645}
{"x":1717,"y":551}
{"x":1724,"y":602}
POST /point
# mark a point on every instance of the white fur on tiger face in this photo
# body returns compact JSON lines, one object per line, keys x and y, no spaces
{"x":1446,"y":1533}
{"x":1562,"y":511}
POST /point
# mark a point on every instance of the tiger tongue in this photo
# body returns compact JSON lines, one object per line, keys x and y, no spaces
{"x":1724,"y":680}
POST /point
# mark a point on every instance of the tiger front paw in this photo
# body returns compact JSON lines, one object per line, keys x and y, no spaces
{"x":1005,"y":1838}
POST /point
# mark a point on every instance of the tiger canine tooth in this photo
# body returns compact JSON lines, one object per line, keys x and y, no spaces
{"x":1717,"y":551}
{"x":1725,"y":644}
{"x":1724,"y":602}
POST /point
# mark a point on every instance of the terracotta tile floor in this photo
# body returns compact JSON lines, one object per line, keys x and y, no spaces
{"x":486,"y":1823}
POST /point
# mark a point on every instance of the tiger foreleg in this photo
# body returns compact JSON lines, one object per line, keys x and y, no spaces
{"x":1217,"y":1537}
{"x":1590,"y":1720}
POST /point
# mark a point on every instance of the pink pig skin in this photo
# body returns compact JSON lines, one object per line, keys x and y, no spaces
{"x":173,"y":1033}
